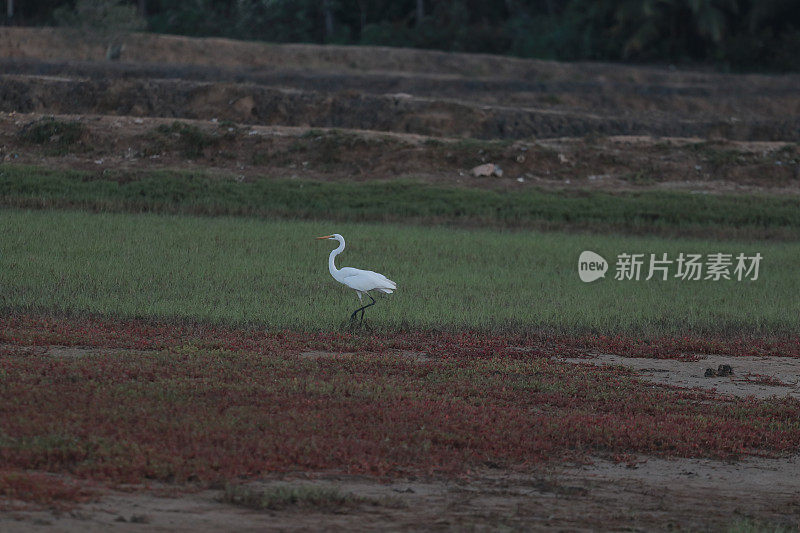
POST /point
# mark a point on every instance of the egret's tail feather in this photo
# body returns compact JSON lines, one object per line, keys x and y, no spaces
{"x":386,"y":281}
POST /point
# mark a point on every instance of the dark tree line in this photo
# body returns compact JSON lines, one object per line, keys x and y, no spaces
{"x":738,"y":34}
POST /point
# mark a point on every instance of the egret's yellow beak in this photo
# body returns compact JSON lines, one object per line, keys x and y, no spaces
{"x":325,"y":237}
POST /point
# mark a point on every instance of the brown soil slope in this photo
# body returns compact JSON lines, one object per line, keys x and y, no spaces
{"x":577,"y":125}
{"x":429,"y":93}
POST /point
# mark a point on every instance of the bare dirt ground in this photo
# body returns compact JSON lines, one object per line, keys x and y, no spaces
{"x":760,"y":377}
{"x":646,"y":494}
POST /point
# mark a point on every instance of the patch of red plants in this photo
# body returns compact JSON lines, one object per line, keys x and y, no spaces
{"x":23,"y":490}
{"x":143,"y":335}
{"x":211,"y":403}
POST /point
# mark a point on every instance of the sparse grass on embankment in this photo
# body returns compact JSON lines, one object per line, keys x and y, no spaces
{"x":273,"y":274}
{"x":653,"y":212}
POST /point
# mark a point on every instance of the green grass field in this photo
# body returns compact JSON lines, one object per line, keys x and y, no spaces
{"x":274,"y":275}
{"x":647,"y":212}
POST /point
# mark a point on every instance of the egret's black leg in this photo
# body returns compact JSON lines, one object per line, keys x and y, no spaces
{"x":353,"y":316}
{"x":362,"y":309}
{"x":355,"y":313}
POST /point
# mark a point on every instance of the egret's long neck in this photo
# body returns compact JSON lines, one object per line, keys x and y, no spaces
{"x":331,"y":263}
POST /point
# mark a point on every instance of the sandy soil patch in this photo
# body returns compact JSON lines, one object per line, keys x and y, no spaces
{"x":656,"y":494}
{"x":751,"y":375}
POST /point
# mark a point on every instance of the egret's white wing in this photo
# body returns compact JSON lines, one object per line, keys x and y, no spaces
{"x":366,"y":280}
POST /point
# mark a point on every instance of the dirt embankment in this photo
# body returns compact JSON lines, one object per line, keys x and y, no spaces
{"x":251,"y":107}
{"x":253,"y":104}
{"x":577,"y":125}
{"x":411,"y":91}
{"x":128,"y":145}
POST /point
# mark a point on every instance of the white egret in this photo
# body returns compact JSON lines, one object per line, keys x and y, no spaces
{"x":362,"y":281}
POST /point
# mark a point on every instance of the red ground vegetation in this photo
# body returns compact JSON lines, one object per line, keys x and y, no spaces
{"x":211,"y":403}
{"x":34,"y":330}
{"x":22,"y":490}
